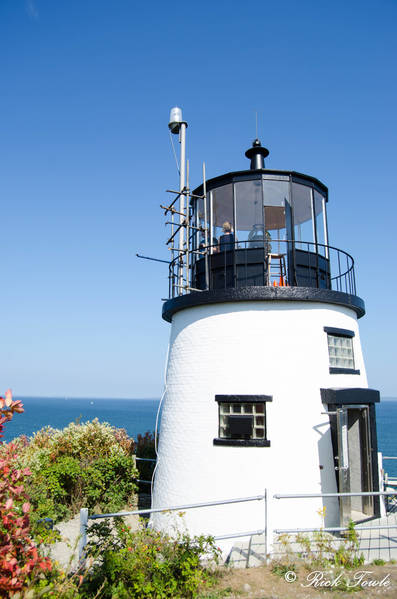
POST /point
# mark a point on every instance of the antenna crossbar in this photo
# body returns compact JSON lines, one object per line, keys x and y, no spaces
{"x":185,"y":192}
{"x":179,"y":194}
{"x":171,"y":209}
{"x":185,"y":224}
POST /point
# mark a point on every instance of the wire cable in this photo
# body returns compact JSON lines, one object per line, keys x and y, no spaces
{"x":173,"y":149}
{"x":157,"y":418}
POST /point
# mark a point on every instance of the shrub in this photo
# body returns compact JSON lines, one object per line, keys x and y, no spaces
{"x":20,"y":559}
{"x":147,"y":563}
{"x":145,"y":448}
{"x":90,"y":465}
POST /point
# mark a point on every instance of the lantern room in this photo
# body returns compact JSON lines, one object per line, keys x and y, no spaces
{"x":262,"y":227}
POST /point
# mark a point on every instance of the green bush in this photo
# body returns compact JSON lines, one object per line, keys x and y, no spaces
{"x":145,"y":448}
{"x":90,"y":465}
{"x":146,"y":564}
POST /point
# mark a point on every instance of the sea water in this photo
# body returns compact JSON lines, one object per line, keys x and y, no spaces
{"x":139,"y":415}
{"x":135,"y":415}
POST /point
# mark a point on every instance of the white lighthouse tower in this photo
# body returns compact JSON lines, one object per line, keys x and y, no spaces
{"x":266,"y":385}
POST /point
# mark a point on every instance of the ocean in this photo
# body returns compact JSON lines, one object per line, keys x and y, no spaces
{"x":139,"y":415}
{"x":135,"y":415}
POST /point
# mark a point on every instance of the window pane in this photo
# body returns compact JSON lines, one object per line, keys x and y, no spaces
{"x":276,"y":209}
{"x":242,"y":420}
{"x":303,"y":216}
{"x":340,"y":351}
{"x":222,"y":208}
{"x":319,"y":209}
{"x":249,"y":211}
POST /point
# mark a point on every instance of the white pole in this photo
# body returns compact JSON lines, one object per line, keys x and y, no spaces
{"x":182,"y":179}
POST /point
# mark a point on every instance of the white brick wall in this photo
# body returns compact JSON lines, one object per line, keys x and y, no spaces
{"x":272,"y":348}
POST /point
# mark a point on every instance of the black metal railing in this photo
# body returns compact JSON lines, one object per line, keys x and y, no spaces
{"x":277,"y":263}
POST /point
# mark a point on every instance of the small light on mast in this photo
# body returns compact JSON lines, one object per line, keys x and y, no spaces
{"x":175,"y":120}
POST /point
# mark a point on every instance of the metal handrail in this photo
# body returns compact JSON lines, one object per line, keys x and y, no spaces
{"x":343,"y":280}
{"x":175,"y":508}
{"x":85,"y":516}
{"x":311,"y":495}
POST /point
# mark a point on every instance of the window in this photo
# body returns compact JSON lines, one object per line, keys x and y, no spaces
{"x":340,"y":351}
{"x":242,"y":420}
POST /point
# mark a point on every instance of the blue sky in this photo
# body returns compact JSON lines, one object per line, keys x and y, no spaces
{"x":85,"y":158}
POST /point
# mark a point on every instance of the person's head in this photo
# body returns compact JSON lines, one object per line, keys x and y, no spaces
{"x":227,"y":227}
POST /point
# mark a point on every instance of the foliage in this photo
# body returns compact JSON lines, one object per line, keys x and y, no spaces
{"x":145,"y":448}
{"x":147,"y":564}
{"x":320,"y":549}
{"x":90,"y":465}
{"x":378,"y":562}
{"x":280,"y":568}
{"x":20,"y":558}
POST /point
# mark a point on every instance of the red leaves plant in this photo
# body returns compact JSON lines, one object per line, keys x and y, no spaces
{"x":20,"y":560}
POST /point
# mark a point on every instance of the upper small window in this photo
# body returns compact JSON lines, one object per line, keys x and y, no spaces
{"x":242,"y":420}
{"x":340,"y":350}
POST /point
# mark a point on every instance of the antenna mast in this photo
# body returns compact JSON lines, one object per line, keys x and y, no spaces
{"x":178,"y":126}
{"x":184,"y":250}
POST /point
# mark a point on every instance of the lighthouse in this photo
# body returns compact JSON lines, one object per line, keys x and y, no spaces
{"x":266,"y":387}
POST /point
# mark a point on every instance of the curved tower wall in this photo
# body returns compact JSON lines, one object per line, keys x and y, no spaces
{"x":278,"y":349}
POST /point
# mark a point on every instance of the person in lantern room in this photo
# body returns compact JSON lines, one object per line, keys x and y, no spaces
{"x":227,"y":240}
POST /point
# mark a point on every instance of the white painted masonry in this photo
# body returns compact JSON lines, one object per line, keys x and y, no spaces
{"x":276,"y":348}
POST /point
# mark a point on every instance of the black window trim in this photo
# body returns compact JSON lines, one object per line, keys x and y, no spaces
{"x":339,"y":332}
{"x":243,"y":399}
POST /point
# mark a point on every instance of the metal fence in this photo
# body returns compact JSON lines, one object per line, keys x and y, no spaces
{"x":375,"y":537}
{"x":85,"y":517}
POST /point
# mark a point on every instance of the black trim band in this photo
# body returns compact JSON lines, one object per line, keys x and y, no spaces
{"x":236,"y":176}
{"x":243,"y":398}
{"x":242,"y":442}
{"x":251,"y":294}
{"x":341,"y":332}
{"x":336,"y":370}
{"x":349,"y":396}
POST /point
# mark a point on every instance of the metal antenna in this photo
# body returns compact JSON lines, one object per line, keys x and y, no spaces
{"x":256,"y":124}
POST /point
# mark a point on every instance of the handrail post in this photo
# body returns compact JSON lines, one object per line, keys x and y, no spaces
{"x":83,"y":534}
{"x":266,"y":547}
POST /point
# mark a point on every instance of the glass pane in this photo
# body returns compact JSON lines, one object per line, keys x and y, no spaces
{"x":222,"y":209}
{"x":201,"y":218}
{"x":249,"y":212}
{"x":236,"y":408}
{"x":247,"y":408}
{"x":340,"y":352}
{"x":275,"y":199}
{"x":319,"y":210}
{"x":259,"y":408}
{"x":303,"y":217}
